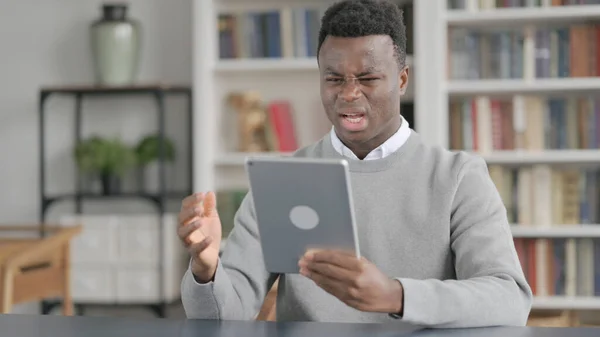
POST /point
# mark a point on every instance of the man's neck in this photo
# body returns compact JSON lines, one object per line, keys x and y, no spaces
{"x":361,"y":150}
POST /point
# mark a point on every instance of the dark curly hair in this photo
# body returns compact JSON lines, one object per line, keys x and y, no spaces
{"x":356,"y":18}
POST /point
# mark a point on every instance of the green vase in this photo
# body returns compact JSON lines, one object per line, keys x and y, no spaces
{"x":116,"y":43}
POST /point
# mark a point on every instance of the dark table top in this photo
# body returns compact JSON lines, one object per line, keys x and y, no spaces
{"x":54,"y":326}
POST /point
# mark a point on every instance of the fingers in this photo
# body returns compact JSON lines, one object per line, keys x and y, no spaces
{"x":197,"y":248}
{"x":329,"y":271}
{"x":191,"y":207}
{"x":341,"y":287}
{"x":328,"y":285}
{"x":188,"y":215}
{"x":193,"y":199}
{"x":210,"y":204}
{"x":344,"y":259}
{"x":185,"y":231}
{"x":196,"y":205}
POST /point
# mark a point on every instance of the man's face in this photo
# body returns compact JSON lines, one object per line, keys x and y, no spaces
{"x":361,"y":84}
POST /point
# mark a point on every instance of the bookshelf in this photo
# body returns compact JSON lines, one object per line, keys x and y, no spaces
{"x":520,"y":86}
{"x":230,"y":56}
{"x":522,"y":90}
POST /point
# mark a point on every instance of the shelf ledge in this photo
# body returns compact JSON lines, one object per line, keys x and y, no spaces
{"x":503,"y":87}
{"x":556,"y":231}
{"x":555,"y":157}
{"x":566,"y":303}
{"x":266,"y":64}
{"x":522,"y":16}
{"x":238,"y":158}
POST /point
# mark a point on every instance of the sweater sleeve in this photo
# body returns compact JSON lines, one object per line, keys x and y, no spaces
{"x":490,"y":287}
{"x":241,"y":281}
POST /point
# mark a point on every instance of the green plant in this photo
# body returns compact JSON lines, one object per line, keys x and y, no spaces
{"x":118,"y":158}
{"x":87,"y":154}
{"x":147,"y":150}
{"x":104,"y":156}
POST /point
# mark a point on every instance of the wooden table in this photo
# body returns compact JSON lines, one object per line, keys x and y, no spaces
{"x":33,"y":269}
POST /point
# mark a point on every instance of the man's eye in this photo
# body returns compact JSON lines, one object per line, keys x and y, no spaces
{"x":334,"y":80}
{"x":369,"y":79}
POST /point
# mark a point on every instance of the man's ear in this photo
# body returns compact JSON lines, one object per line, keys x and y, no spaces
{"x":403,"y":80}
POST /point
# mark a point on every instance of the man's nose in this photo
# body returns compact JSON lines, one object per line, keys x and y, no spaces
{"x":350,"y":90}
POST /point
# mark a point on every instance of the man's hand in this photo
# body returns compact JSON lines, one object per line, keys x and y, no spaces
{"x":200,"y":233}
{"x":356,"y":282}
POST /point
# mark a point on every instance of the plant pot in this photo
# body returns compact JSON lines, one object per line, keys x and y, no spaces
{"x":111,"y":184}
{"x":148,"y":177}
{"x":88,"y":183}
{"x":115,"y":42}
{"x":140,"y":179}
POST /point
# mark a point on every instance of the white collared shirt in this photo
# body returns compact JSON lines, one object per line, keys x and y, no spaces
{"x":389,"y":146}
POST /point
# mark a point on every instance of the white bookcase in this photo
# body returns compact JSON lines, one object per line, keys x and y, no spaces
{"x":217,"y":165}
{"x":482,"y":16}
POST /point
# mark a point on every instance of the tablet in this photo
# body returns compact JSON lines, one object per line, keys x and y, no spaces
{"x":301,"y":203}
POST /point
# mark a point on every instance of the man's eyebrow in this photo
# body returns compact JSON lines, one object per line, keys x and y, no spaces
{"x":330,"y":71}
{"x":368,"y":71}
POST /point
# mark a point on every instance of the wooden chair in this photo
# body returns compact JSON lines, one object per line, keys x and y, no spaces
{"x":552,"y":318}
{"x":33,"y":268}
{"x":268,"y":310}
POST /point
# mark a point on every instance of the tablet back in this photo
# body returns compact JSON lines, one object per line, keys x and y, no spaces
{"x":301,"y":203}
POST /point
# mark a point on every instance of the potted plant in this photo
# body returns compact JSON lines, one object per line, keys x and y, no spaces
{"x":106,"y":159}
{"x":147,"y":152}
{"x":88,"y":160}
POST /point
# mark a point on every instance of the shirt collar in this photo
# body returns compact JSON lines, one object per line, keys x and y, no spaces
{"x":391,"y":145}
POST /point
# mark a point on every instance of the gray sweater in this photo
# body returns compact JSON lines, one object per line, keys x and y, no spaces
{"x":428,"y":217}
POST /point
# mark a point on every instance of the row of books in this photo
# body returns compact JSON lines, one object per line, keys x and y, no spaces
{"x":484,"y":124}
{"x":561,"y":267}
{"x":491,"y":4}
{"x":545,"y":195}
{"x":543,"y":52}
{"x":288,"y":32}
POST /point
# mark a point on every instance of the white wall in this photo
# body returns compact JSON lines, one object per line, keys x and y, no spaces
{"x":46,"y":43}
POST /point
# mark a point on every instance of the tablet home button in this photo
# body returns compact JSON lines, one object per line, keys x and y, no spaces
{"x":304,"y":217}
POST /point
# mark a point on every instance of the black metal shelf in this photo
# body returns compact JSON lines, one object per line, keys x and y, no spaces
{"x":155,"y":198}
{"x":158,"y":91}
{"x":112,"y":90}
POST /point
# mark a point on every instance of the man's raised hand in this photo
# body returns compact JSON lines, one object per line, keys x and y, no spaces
{"x":199,"y":229}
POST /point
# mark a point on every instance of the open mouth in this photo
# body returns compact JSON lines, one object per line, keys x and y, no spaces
{"x":354,"y":118}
